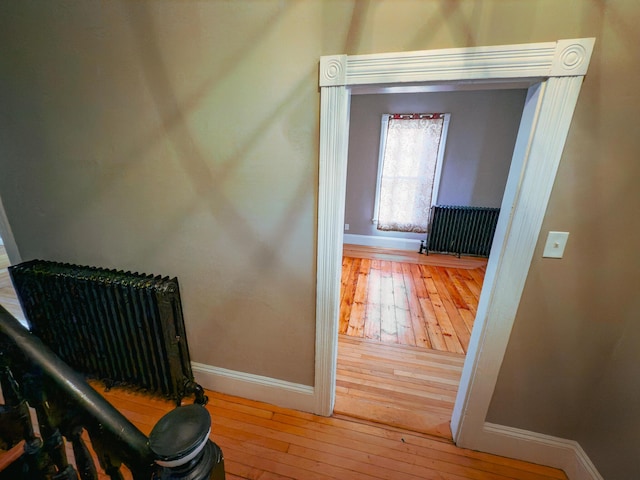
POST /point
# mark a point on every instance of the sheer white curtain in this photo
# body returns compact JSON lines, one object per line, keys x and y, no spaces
{"x":408,"y":171}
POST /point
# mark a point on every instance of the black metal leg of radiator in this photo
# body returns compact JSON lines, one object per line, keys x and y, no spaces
{"x":201,"y":398}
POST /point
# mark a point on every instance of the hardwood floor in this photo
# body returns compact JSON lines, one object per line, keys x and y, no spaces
{"x":430,"y":306}
{"x":407,"y":387}
{"x":265,"y":442}
{"x":405,"y":325}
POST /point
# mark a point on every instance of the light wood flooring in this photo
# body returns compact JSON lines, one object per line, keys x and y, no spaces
{"x":265,"y":442}
{"x":405,"y":324}
{"x":406,"y":387}
{"x":430,"y":305}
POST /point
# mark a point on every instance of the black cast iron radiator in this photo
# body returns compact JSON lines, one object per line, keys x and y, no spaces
{"x":461,"y":230}
{"x":115,"y":326}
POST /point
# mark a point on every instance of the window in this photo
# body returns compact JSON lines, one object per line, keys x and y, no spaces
{"x":409,"y":166}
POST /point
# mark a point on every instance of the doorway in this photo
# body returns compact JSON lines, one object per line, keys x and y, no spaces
{"x":394,"y":299}
{"x":553,"y":73}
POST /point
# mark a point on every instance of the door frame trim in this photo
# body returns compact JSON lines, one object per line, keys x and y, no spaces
{"x":554,"y":72}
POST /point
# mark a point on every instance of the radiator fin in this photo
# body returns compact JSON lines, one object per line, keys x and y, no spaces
{"x":120,"y":327}
{"x":462,"y":230}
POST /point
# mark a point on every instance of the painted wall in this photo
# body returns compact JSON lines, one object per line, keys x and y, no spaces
{"x":181,"y":137}
{"x":482,"y":134}
{"x":173,"y":138}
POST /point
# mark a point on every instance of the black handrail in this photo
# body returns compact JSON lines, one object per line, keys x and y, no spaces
{"x":105,"y":420}
{"x":133,"y":441}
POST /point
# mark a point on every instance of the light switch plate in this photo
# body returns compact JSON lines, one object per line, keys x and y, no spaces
{"x":556,"y":242}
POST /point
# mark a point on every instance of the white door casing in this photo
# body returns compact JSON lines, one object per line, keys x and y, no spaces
{"x":554,"y":72}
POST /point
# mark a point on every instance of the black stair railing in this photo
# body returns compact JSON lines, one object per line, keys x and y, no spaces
{"x":31,"y":375}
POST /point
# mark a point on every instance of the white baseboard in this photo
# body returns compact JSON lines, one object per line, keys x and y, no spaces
{"x":534,"y":447}
{"x":255,"y":387}
{"x":385,"y":242}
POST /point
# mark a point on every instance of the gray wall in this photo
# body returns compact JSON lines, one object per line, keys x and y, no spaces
{"x":480,"y":142}
{"x":181,"y":137}
{"x":139,"y":136}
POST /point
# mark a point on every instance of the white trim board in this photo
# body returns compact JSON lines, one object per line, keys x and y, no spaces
{"x":554,"y":72}
{"x":567,"y":455}
{"x":384,"y":242}
{"x":255,"y":387}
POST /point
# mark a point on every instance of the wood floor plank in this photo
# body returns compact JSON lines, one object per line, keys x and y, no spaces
{"x":444,"y":377}
{"x":470,"y":301}
{"x":348,"y":292}
{"x":434,"y":332}
{"x":468,"y":316}
{"x":478,"y":278}
{"x":402,"y":356}
{"x":433,"y":327}
{"x":415,"y":399}
{"x":420,"y":334}
{"x":365,"y":346}
{"x":394,"y":387}
{"x":417,"y":381}
{"x":404,"y":324}
{"x":373,"y":313}
{"x":359,"y":306}
{"x":470,"y":280}
{"x":449,"y":334}
{"x":452,"y":301}
{"x":388,"y":327}
{"x":449,"y":287}
{"x":345,"y":274}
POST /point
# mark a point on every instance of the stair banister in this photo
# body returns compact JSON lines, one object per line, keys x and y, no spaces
{"x":132,"y":441}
